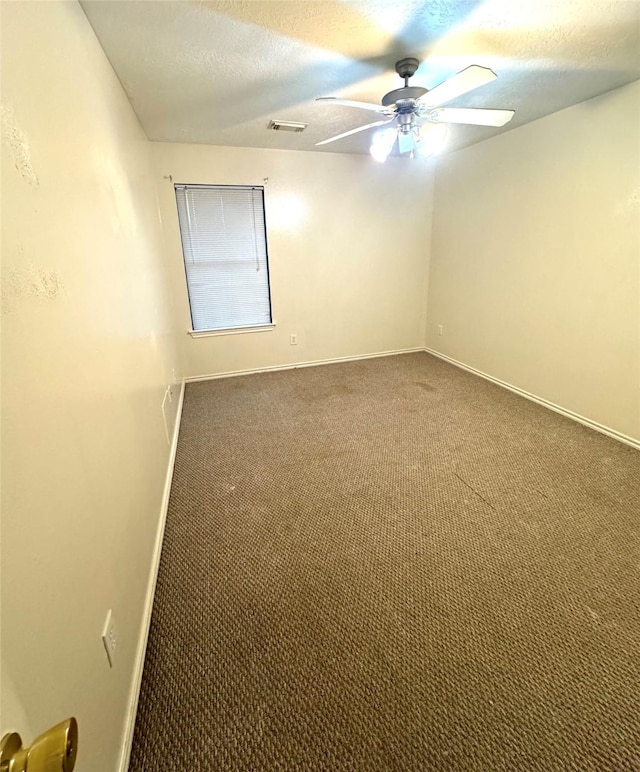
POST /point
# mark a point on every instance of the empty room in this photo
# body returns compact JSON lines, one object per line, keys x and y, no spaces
{"x":320,"y":385}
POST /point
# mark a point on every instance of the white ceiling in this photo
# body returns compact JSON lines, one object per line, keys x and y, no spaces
{"x":216,"y":72}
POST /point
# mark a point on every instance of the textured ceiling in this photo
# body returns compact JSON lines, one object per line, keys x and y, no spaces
{"x":216,"y":72}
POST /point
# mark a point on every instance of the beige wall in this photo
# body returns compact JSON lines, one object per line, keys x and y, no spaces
{"x":346,"y":237}
{"x":535,"y":258}
{"x":87,"y":353}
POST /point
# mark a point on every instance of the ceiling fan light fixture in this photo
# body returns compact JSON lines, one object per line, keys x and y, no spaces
{"x":432,"y":139}
{"x":406,"y":142}
{"x":382,"y":144}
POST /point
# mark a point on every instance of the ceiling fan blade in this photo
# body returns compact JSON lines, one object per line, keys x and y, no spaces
{"x":353,"y":103}
{"x":353,"y":131}
{"x":466,"y":80}
{"x":474,"y":116}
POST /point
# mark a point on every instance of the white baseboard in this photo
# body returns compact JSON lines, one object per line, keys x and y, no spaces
{"x":134,"y":694}
{"x":544,"y":402}
{"x":296,"y":365}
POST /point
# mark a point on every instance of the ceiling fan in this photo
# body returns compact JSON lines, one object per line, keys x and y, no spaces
{"x":414,"y":115}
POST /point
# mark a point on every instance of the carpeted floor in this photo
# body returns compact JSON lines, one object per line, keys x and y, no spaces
{"x":393,"y":565}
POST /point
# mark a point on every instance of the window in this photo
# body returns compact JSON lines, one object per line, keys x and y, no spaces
{"x":224,"y":244}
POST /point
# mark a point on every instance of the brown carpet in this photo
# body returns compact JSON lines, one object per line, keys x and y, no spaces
{"x":393,"y":565}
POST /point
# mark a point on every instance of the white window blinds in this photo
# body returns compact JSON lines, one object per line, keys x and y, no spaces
{"x":224,"y":243}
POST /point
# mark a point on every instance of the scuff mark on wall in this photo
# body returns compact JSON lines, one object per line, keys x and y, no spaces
{"x":116,"y":188}
{"x":29,"y":281}
{"x":630,"y":206}
{"x":18,"y":145}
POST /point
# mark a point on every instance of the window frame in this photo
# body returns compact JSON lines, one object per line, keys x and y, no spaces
{"x":236,"y":329}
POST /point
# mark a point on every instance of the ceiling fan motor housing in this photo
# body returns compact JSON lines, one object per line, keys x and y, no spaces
{"x":400,"y":95}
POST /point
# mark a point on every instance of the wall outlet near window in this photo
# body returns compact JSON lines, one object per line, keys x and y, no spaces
{"x":293,"y":339}
{"x":440,"y":330}
{"x":110,"y":637}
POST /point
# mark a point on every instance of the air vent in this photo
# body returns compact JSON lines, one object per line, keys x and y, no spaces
{"x":287,"y":126}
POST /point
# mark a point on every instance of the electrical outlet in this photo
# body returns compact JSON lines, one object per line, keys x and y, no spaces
{"x":110,"y":637}
{"x":293,"y":339}
{"x":173,"y":375}
{"x":440,"y":329}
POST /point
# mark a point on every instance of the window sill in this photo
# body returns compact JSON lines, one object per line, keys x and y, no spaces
{"x":231,"y":330}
